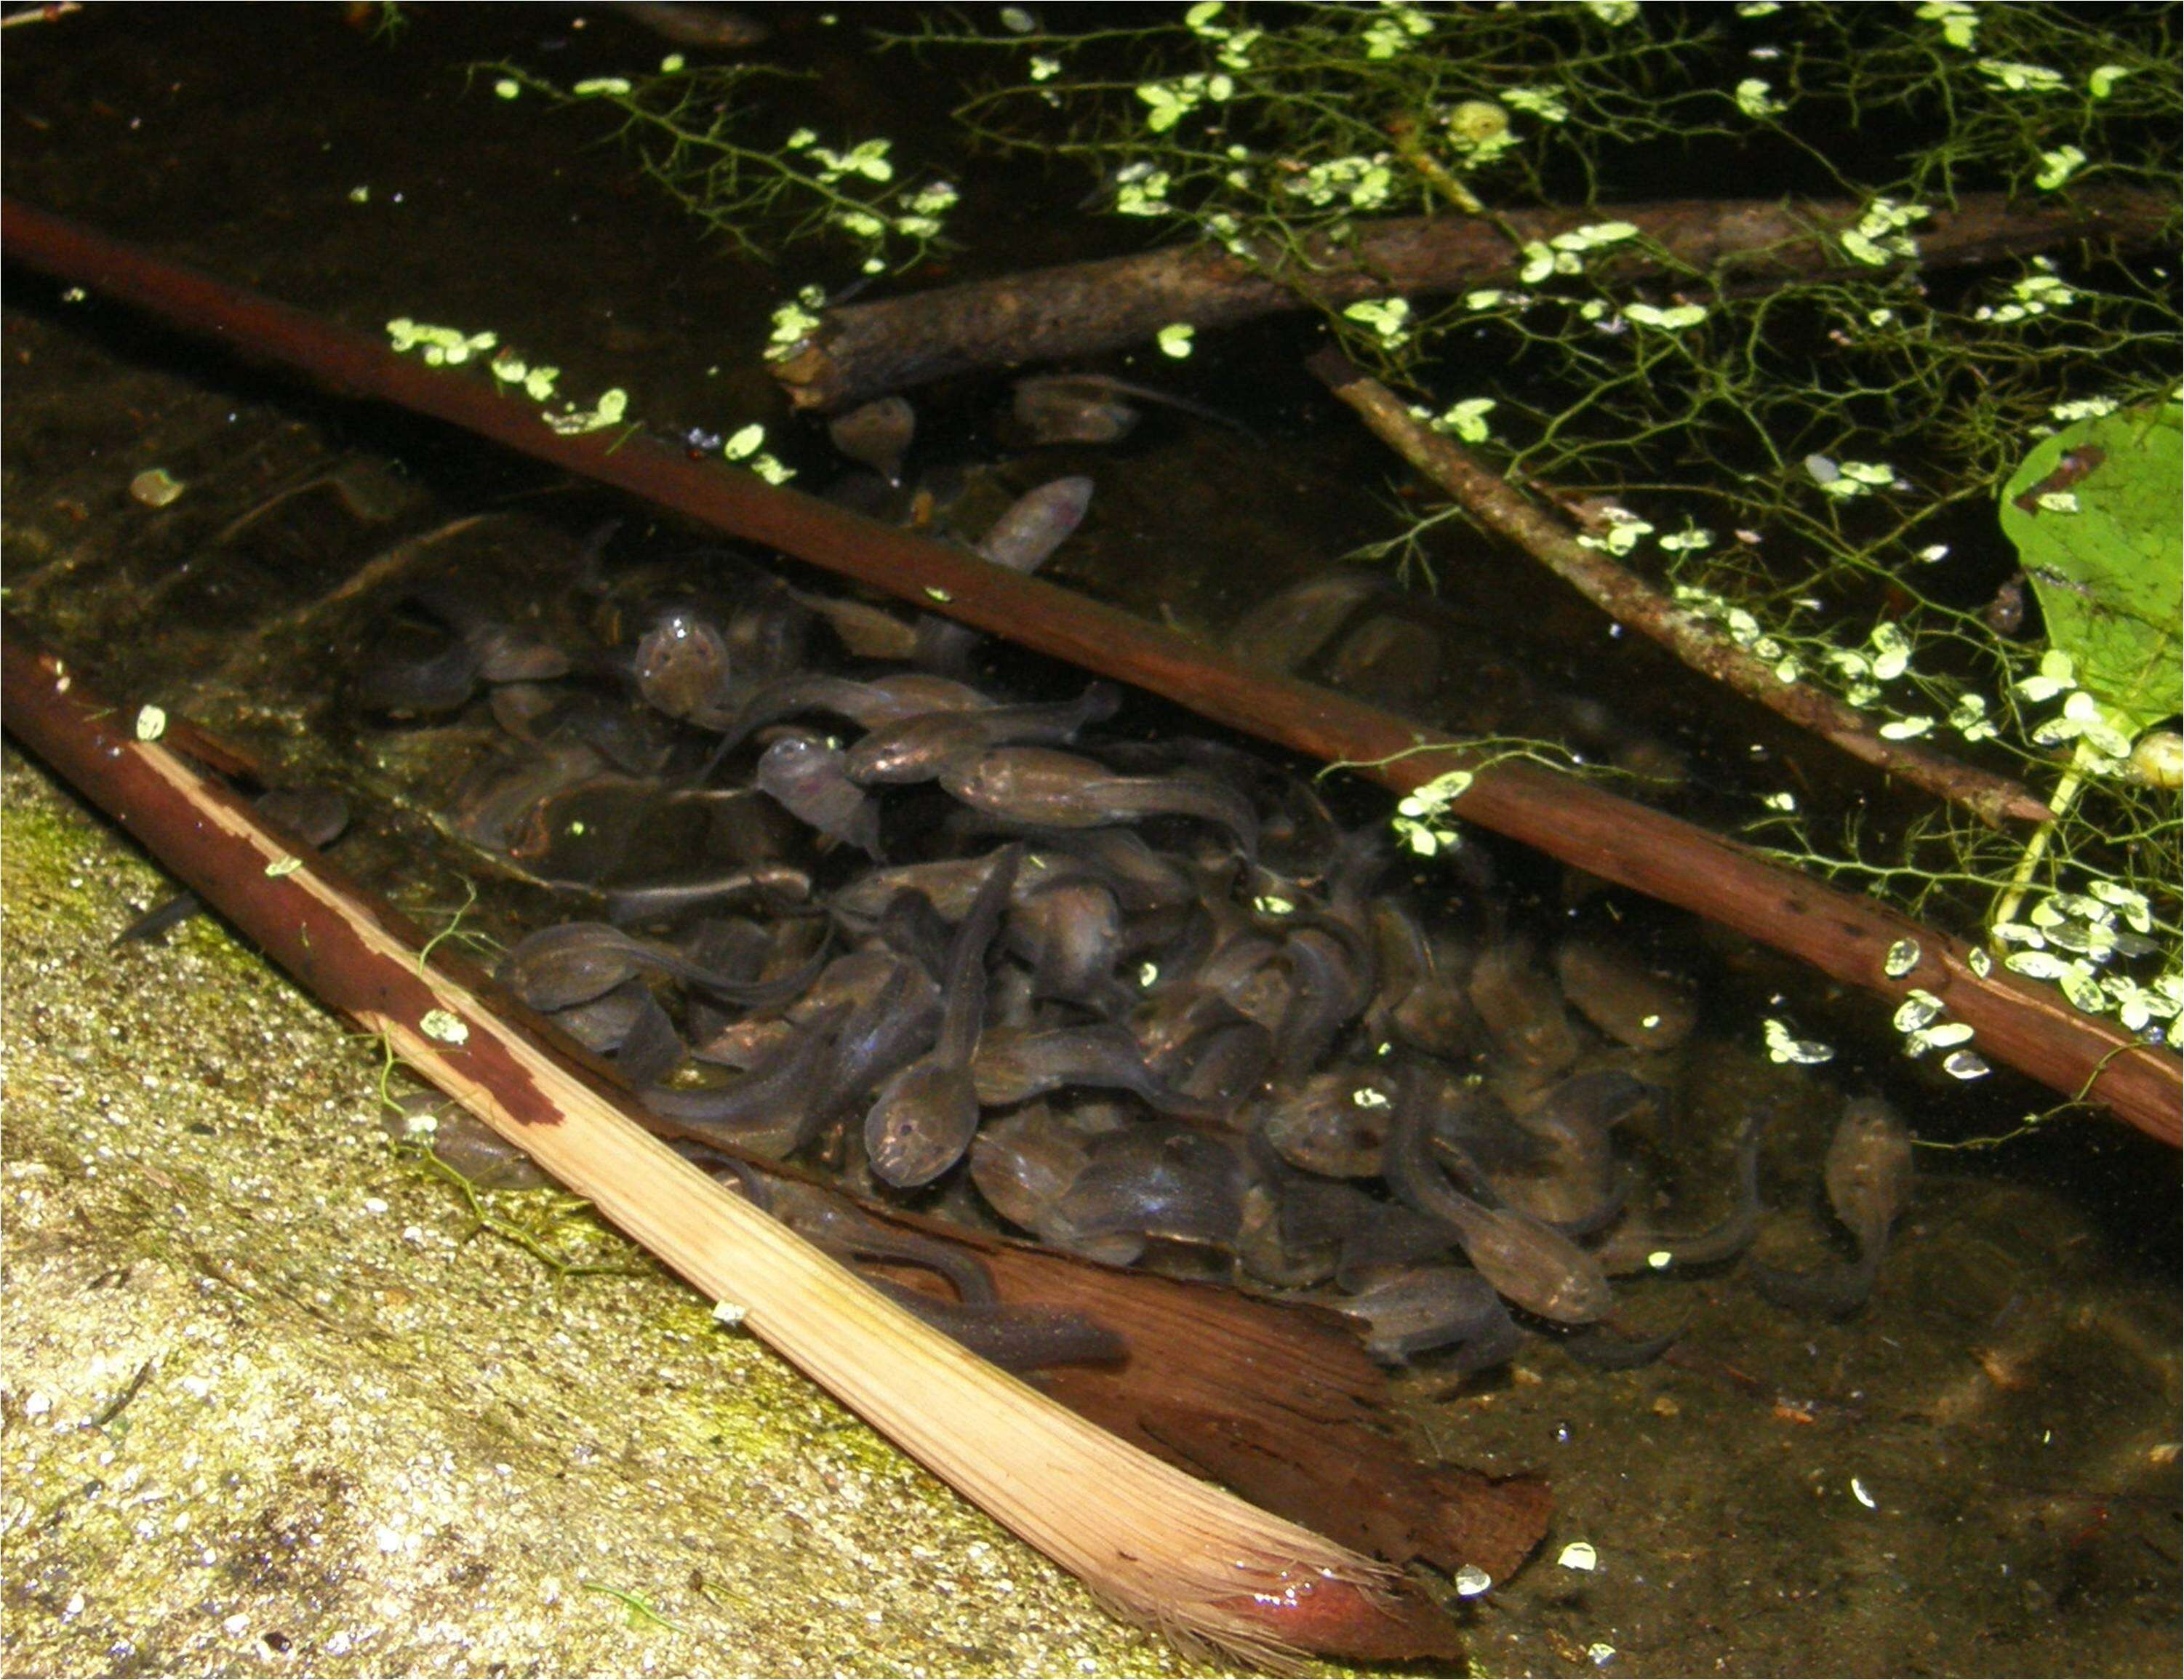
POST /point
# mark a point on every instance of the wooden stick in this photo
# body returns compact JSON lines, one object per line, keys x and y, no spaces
{"x":1276,"y":1399}
{"x":1159,"y":1546}
{"x":1629,"y":600}
{"x":1846,"y":936}
{"x":1084,"y":308}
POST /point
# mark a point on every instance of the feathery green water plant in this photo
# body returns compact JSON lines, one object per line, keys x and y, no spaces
{"x":1815,"y":463}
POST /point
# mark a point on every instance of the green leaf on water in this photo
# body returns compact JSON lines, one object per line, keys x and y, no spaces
{"x":2094,"y":513}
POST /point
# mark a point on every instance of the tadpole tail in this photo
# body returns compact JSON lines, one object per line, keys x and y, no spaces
{"x":1017,"y":1339}
{"x":1828,"y":1292}
{"x":1152,"y":795}
{"x":748,"y":994}
{"x":1600,"y":1348}
{"x":159,"y":919}
{"x":769,"y":1108}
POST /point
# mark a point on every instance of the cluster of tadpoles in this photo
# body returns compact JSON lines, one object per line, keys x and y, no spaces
{"x":1144,"y":1000}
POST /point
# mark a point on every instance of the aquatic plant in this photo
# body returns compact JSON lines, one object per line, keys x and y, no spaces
{"x":452,"y":347}
{"x":1813,"y":462}
{"x":694,"y":129}
{"x":1810,"y":461}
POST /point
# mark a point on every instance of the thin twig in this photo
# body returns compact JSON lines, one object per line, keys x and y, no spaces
{"x":1079,"y":309}
{"x":42,"y":14}
{"x":374,"y":573}
{"x":1629,"y":600}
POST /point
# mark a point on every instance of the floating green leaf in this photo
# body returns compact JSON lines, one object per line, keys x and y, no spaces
{"x":2094,"y":513}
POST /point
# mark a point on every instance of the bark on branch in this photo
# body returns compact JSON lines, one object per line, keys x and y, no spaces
{"x":1631,"y":601}
{"x":1845,"y":935}
{"x":865,"y":350}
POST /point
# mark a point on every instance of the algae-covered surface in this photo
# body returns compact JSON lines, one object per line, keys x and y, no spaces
{"x":273,"y":1401}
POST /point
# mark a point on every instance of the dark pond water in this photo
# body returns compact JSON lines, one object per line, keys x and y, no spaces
{"x":1975,"y":1473}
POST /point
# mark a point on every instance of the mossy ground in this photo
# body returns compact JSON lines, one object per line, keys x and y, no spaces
{"x":360,"y":1435}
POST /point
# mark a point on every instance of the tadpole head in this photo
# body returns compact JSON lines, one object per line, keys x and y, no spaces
{"x":682,"y":663}
{"x":921,"y":1123}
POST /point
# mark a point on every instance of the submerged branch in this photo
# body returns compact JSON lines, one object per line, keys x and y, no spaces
{"x":1082,"y":309}
{"x":1846,"y":935}
{"x":1630,"y":600}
